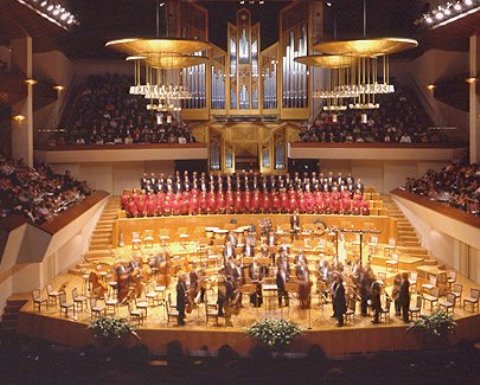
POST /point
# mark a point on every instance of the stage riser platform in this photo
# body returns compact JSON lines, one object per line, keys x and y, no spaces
{"x":172,"y":224}
{"x":336,"y":342}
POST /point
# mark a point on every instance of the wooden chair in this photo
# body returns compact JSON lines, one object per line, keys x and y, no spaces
{"x":473,"y":300}
{"x":64,"y":305}
{"x":111,"y":305}
{"x":457,"y":290}
{"x":142,"y":304}
{"x":135,"y":315}
{"x":211,"y":313}
{"x":385,"y":312}
{"x":350,"y":313}
{"x":390,"y":247}
{"x":172,"y":313}
{"x":451,"y":278}
{"x":413,"y":279}
{"x":79,"y":300}
{"x":432,"y":298}
{"x":136,"y":240}
{"x":448,"y":304}
{"x":52,"y":295}
{"x":38,"y":301}
{"x":96,"y":310}
{"x":432,"y":283}
{"x":415,"y":310}
{"x":148,"y":239}
{"x":393,"y":262}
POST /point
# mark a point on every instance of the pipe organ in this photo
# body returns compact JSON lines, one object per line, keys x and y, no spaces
{"x":245,"y":80}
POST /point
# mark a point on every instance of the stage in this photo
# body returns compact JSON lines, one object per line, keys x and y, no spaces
{"x":359,"y":336}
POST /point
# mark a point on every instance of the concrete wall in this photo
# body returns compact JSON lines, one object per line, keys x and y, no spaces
{"x":427,"y":69}
{"x":452,"y":242}
{"x":32,"y":257}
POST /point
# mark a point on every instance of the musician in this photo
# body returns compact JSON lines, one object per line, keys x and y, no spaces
{"x":376,"y":290}
{"x":397,"y":282}
{"x":281,"y":279}
{"x":294,"y":225}
{"x":232,"y":238}
{"x":181,"y":299}
{"x":339,"y":300}
{"x":404,"y":297}
{"x":229,"y":300}
{"x":256,"y":271}
{"x":228,"y":251}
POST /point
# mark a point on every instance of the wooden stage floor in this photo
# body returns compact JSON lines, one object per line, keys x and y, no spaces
{"x":357,"y":336}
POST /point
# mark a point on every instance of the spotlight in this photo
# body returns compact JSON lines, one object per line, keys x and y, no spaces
{"x":50,"y":7}
{"x":431,"y":87}
{"x":447,"y":12}
{"x":439,"y":15}
{"x":457,"y":7}
{"x":19,"y":118}
{"x":43,"y":4}
{"x":471,"y":80}
{"x":429,"y":20}
{"x":468,"y":2}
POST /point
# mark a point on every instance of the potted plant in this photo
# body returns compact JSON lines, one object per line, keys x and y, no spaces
{"x":109,"y":329}
{"x":435,"y":327}
{"x":274,"y":334}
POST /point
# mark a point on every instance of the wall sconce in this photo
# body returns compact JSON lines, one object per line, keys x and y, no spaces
{"x":471,"y":80}
{"x":431,"y":87}
{"x":19,"y":118}
{"x":31,"y":82}
{"x":59,"y":88}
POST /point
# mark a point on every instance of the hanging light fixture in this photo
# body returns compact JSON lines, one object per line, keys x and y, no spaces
{"x":337,"y":67}
{"x":369,"y":73}
{"x":156,"y":57}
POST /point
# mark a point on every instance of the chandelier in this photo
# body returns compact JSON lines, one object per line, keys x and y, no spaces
{"x":156,"y":61}
{"x":336,"y":66}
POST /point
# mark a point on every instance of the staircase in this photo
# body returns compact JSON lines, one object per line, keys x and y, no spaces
{"x":408,"y":242}
{"x":8,"y":324}
{"x":101,"y":242}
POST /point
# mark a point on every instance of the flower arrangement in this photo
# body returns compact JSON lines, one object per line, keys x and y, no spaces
{"x":274,"y":334}
{"x":436,"y":326}
{"x":109,"y":329}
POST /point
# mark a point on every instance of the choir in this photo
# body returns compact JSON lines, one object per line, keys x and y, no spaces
{"x":243,"y":193}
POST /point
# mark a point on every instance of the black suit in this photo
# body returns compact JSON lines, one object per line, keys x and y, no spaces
{"x":280,"y":280}
{"x":376,"y":301}
{"x":181,"y":293}
{"x":404,"y":299}
{"x":339,"y":302}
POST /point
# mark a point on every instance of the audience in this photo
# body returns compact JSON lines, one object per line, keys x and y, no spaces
{"x":456,"y":184}
{"x":398,"y":120}
{"x":103,"y":112}
{"x":38,"y":193}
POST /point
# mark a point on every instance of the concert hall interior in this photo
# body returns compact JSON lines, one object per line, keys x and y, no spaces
{"x":206,"y":191}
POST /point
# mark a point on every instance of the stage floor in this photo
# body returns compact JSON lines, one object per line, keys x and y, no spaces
{"x":357,"y":336}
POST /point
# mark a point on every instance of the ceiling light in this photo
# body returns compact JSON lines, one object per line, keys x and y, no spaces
{"x":429,"y":20}
{"x":30,"y":82}
{"x":19,"y":118}
{"x":447,"y":11}
{"x":457,"y":7}
{"x":471,"y":80}
{"x":50,"y":7}
{"x":468,"y":2}
{"x":431,"y":87}
{"x":439,"y":15}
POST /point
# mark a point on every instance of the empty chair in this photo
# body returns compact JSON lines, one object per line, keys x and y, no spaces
{"x":416,"y":309}
{"x":52,"y":295}
{"x":451,"y":278}
{"x":38,"y":301}
{"x":136,"y":240}
{"x":148,"y":239}
{"x":142,"y":304}
{"x":473,"y":300}
{"x":392,"y":263}
{"x":385,"y":312}
{"x":211,"y":312}
{"x":151,"y":295}
{"x":111,"y":306}
{"x":64,"y":305}
{"x":96,"y":309}
{"x":432,"y":282}
{"x":350,"y":313}
{"x":432,"y":298}
{"x":389,"y":248}
{"x":457,"y":290}
{"x":135,"y":315}
{"x":172,"y":313}
{"x":448,"y":304}
{"x":79,"y":300}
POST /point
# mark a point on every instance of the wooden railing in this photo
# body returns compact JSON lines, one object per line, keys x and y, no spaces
{"x":439,"y":207}
{"x":76,"y":147}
